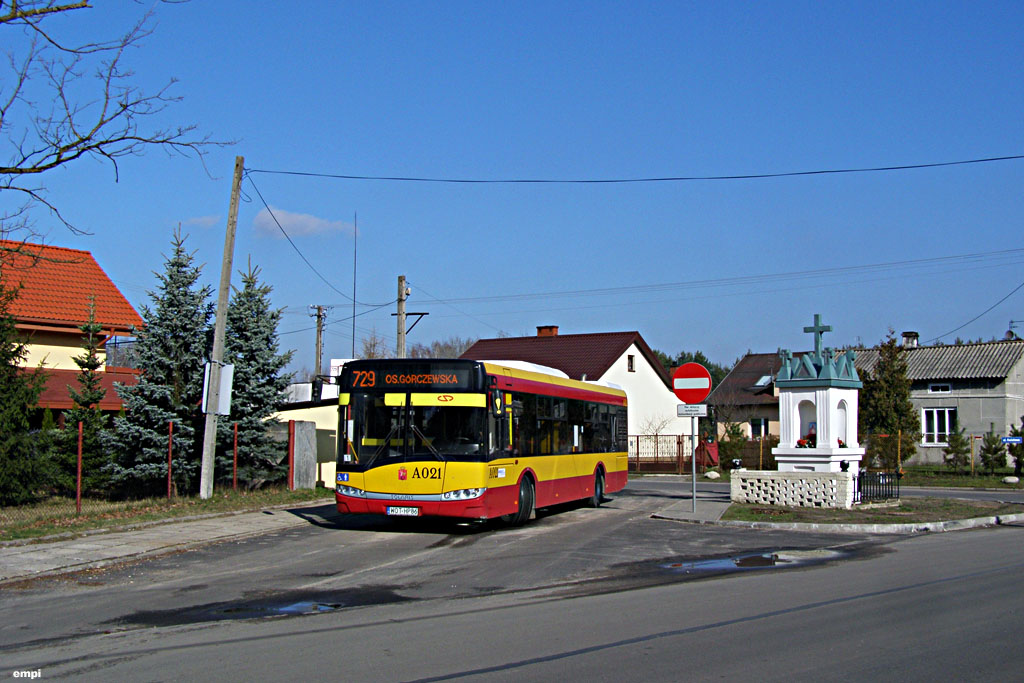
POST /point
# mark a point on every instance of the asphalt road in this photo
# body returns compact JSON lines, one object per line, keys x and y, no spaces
{"x":609,"y":594}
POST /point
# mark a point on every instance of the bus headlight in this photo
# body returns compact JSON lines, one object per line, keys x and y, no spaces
{"x":463,"y":494}
{"x":351,"y":491}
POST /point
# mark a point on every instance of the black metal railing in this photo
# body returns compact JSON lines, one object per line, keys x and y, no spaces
{"x":875,"y":486}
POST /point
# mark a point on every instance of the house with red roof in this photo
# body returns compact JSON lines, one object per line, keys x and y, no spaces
{"x":620,"y":358}
{"x":55,"y":287}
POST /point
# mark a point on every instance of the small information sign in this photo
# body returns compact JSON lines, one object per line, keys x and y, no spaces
{"x":1013,"y":439}
{"x":692,"y":410}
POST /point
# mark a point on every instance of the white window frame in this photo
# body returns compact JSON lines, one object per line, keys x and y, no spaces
{"x":630,"y":363}
{"x":940,"y":388}
{"x":932,"y":438}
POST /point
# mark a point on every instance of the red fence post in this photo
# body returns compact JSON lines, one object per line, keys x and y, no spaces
{"x":170,"y":445}
{"x":78,"y":483}
{"x":234,"y":472}
{"x":291,"y":455}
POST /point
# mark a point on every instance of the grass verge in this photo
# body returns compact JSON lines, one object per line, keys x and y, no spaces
{"x":908,"y":511}
{"x":921,"y":475}
{"x":57,"y":515}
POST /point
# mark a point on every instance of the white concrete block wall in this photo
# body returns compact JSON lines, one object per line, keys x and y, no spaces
{"x":793,"y":489}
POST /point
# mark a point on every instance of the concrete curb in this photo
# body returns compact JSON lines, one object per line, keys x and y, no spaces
{"x":894,"y":529}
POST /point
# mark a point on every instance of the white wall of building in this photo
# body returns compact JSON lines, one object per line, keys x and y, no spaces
{"x":650,"y":401}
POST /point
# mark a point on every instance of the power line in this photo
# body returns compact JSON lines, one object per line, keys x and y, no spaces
{"x":340,"y":320}
{"x":1015,"y":289}
{"x":458,"y":310}
{"x":301,"y":255}
{"x":959,"y":260}
{"x":610,"y":181}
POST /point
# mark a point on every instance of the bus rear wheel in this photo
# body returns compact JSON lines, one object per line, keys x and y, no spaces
{"x":596,"y":499}
{"x":527,"y":499}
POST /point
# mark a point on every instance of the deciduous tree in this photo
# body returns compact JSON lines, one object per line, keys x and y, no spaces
{"x":65,"y":97}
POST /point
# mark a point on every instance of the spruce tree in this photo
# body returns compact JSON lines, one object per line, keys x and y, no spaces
{"x":171,"y":350}
{"x":23,"y":474}
{"x":1017,"y":450}
{"x":258,"y":386}
{"x":86,"y":400}
{"x":885,"y":408}
{"x":957,"y":452}
{"x":992,"y":453}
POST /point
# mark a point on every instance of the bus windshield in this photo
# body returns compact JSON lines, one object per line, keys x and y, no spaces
{"x":385,"y":434}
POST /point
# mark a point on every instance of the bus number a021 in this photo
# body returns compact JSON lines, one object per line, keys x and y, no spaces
{"x":426,"y":473}
{"x":364,"y":378}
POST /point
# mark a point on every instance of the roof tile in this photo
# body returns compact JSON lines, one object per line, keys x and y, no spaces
{"x":56,"y":284}
{"x":577,"y":355}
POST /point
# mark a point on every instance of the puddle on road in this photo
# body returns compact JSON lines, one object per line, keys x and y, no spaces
{"x":285,"y":604}
{"x":782,"y":559}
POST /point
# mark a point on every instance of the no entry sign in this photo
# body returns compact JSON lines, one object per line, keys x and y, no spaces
{"x":691,"y":382}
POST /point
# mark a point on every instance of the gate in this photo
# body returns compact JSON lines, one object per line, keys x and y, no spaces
{"x":660,"y":453}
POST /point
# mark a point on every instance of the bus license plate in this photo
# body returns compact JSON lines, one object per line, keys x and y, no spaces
{"x":400,"y":511}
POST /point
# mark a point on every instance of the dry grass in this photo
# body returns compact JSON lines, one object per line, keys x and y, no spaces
{"x":907,"y":511}
{"x":58,"y":515}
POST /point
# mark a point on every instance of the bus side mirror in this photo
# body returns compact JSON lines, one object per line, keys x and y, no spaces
{"x":496,"y":404}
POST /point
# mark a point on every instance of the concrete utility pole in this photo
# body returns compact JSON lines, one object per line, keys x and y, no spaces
{"x":320,"y":315}
{"x":403,"y":292}
{"x":220,"y":322}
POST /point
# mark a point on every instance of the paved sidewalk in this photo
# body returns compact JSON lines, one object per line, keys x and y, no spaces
{"x":711,"y":505}
{"x":33,"y":560}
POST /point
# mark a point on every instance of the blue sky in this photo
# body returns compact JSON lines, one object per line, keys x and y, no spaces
{"x":588,"y":90}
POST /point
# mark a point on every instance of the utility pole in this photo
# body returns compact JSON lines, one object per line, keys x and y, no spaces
{"x":220,"y":322}
{"x":321,"y":315}
{"x":403,"y":292}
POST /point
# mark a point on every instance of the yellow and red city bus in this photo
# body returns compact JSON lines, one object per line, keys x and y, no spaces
{"x":474,"y":439}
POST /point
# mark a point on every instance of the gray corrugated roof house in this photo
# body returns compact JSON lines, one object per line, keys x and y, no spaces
{"x":977,"y":387}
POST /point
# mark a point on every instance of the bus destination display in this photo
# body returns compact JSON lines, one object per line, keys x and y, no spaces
{"x":407,"y":378}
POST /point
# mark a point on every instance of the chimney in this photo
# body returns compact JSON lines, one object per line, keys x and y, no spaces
{"x":910,"y":340}
{"x":547,"y":330}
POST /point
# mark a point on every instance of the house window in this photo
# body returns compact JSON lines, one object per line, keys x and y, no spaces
{"x":631,"y":363}
{"x":939,"y":388}
{"x":758,"y":427}
{"x":936,"y":424}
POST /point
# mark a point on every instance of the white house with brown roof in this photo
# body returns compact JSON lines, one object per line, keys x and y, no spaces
{"x":621,"y":358}
{"x":56,"y":285}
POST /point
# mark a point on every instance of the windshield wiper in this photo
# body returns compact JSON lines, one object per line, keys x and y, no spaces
{"x":383,"y":447}
{"x":437,"y":453}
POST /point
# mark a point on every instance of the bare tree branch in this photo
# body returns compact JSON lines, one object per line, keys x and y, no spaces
{"x":53,"y":113}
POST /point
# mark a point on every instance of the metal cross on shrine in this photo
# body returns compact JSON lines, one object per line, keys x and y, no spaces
{"x":817,"y":329}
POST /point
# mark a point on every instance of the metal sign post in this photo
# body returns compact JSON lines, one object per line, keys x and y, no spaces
{"x":693,"y":461}
{"x":691,"y":383}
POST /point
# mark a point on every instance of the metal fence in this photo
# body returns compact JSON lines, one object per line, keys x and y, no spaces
{"x":66,"y":489}
{"x":666,"y":453}
{"x":877,"y":486}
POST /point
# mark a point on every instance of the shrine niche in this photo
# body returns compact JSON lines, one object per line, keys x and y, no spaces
{"x":818,"y":395}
